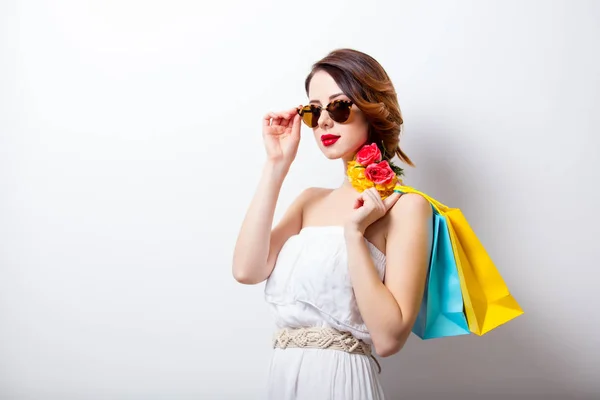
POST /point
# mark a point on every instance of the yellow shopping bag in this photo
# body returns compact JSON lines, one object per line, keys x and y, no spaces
{"x":488,"y":302}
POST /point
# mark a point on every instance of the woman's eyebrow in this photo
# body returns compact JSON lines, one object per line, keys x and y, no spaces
{"x":330,"y":97}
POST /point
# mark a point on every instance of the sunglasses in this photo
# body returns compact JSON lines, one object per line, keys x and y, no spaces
{"x":339,"y":111}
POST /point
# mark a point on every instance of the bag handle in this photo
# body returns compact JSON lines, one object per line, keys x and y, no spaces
{"x":439,"y":207}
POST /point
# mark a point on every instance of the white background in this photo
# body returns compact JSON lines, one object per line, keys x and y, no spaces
{"x":130,"y":147}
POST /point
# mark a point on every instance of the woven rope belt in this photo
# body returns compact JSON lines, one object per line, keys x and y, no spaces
{"x":322,"y":338}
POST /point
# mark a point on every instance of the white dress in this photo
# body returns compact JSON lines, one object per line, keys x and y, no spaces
{"x":310,"y":286}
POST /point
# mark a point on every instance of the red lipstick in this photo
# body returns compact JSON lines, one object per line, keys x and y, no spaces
{"x":328,"y":140}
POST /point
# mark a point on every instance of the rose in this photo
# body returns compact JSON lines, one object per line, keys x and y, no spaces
{"x":368,"y":171}
{"x":380,"y":173}
{"x":368,"y":154}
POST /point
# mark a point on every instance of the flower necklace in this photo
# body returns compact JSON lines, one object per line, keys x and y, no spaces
{"x":369,"y":169}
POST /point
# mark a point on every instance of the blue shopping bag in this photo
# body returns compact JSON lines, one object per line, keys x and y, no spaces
{"x":442,"y":308}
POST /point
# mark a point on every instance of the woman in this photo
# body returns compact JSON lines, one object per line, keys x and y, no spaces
{"x":345,"y":269}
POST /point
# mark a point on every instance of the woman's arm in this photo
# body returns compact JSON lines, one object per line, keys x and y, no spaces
{"x":390,"y":308}
{"x":257,"y":244}
{"x":252,"y":245}
{"x":257,"y":247}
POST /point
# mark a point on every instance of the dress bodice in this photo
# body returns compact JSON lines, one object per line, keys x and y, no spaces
{"x":310,"y":284}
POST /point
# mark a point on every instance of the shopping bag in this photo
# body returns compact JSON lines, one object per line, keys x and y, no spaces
{"x":441,"y":312}
{"x":490,"y":303}
{"x":487,"y":300}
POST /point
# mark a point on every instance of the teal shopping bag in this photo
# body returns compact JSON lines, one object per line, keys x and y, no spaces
{"x":442,"y":308}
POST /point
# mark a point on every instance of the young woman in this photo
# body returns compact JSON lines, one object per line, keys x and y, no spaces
{"x":345,"y":270}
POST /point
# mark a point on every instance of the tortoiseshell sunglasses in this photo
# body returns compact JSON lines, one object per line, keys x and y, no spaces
{"x":339,"y":111}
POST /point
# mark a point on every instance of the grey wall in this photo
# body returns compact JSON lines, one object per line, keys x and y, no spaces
{"x":130,"y":147}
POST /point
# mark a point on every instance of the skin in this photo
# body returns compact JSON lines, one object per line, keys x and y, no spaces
{"x":400,"y":226}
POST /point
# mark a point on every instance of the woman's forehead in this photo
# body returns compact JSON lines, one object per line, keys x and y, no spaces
{"x":323,"y":88}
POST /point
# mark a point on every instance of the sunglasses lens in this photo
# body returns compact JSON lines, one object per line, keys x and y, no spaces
{"x":310,"y":116}
{"x":340,"y":111}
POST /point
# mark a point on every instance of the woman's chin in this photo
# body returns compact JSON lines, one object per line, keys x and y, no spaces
{"x":331,"y":153}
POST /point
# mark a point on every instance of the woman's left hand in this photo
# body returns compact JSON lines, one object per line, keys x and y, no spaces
{"x":368,"y":208}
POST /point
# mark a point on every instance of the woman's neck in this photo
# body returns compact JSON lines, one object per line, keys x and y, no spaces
{"x":346,"y":183}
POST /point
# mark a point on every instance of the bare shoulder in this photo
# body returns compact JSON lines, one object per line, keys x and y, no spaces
{"x":315,"y":193}
{"x":412,"y":206}
{"x":307,"y":194}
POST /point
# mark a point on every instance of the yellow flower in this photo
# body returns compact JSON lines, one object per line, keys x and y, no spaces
{"x":356,"y":176}
{"x":387,"y":189}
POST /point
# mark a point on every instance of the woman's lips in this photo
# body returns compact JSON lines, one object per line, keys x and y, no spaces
{"x":328,"y":140}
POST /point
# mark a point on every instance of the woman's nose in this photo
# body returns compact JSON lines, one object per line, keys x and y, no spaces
{"x":325,"y":119}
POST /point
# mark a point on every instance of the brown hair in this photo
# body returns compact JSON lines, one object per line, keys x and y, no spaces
{"x":366,"y":83}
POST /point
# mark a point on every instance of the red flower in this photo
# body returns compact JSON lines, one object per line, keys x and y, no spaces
{"x":368,"y":154}
{"x":380,"y":173}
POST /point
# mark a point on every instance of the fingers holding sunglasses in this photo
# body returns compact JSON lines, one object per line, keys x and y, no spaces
{"x":291,"y":122}
{"x":276,"y":119}
{"x":296,"y":124}
{"x":281,"y":135}
{"x":287,"y":118}
{"x":277,"y":123}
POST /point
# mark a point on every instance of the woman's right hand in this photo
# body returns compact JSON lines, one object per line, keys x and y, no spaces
{"x":281,"y":134}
